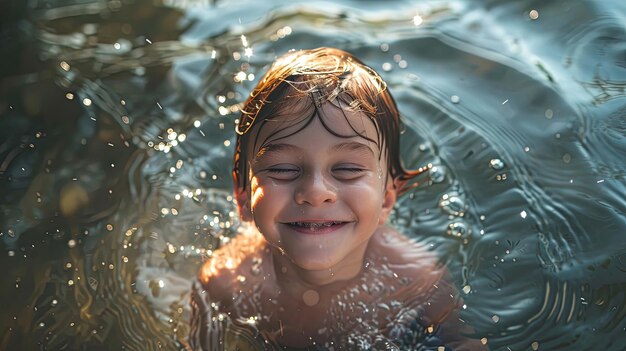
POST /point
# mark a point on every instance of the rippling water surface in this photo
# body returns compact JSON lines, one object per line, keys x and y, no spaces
{"x":116,"y":137}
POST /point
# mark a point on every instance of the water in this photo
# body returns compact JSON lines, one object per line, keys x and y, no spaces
{"x":117,"y":134}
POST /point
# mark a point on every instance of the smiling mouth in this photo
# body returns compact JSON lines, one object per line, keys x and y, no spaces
{"x":316,"y":227}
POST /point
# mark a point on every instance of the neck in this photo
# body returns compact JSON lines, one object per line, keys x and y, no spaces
{"x":295,"y":279}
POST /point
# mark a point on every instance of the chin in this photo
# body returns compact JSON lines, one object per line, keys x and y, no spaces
{"x":315,"y":263}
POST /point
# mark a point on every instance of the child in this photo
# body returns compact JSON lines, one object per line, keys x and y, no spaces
{"x":317,"y":171}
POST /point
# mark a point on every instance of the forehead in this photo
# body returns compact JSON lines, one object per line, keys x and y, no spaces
{"x":339,"y":120}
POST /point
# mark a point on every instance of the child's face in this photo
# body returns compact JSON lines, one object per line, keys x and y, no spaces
{"x":316,"y":196}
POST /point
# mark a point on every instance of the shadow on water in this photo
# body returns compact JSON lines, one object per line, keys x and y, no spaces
{"x":116,"y":138}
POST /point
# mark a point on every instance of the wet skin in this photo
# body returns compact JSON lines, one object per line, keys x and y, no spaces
{"x":318,"y":198}
{"x":318,"y":204}
{"x":394,"y":269}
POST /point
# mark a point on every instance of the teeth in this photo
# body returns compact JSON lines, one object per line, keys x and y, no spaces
{"x":314,"y":225}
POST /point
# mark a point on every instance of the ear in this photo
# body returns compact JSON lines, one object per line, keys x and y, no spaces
{"x":243,"y":204}
{"x":389,"y":200}
{"x":242,"y":198}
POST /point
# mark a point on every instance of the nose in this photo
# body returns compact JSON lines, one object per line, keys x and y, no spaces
{"x":315,"y":191}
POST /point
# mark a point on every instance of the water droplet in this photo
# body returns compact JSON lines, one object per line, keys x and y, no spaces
{"x":534,"y":345}
{"x":437,"y":174}
{"x":384,"y":47}
{"x":495,"y":318}
{"x":256,"y":266}
{"x":467,"y":289}
{"x":549,"y":114}
{"x":240,"y":76}
{"x":71,"y":243}
{"x":93,"y":283}
{"x":457,"y":229}
{"x":452,"y":204}
{"x":533,"y":14}
{"x":567,"y":158}
{"x":387,"y":66}
{"x":496,"y":164}
{"x":311,"y":297}
{"x":455,"y":99}
{"x":417,"y":20}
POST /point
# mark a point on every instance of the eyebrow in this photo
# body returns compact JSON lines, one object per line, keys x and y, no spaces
{"x":272,"y":148}
{"x":278,"y":147}
{"x":353,"y":146}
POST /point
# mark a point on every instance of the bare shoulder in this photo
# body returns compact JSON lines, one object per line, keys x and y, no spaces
{"x":428,"y":290}
{"x":220,"y":273}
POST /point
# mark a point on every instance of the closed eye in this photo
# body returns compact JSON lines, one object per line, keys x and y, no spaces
{"x":282,"y":172}
{"x":349,"y":172}
{"x":350,"y":169}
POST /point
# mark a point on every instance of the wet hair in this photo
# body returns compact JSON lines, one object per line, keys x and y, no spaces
{"x":294,"y":89}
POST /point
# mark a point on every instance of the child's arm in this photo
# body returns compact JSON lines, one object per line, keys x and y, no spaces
{"x":212,"y":327}
{"x":431,"y":302}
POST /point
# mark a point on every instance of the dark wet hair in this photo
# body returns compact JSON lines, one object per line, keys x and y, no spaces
{"x":294,"y":88}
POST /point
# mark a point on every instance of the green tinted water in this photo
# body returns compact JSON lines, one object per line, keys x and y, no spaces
{"x":117,"y":136}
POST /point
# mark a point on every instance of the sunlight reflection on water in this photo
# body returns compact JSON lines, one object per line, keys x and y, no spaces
{"x":118,"y":136}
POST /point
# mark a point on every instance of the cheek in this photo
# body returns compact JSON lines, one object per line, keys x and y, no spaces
{"x":257,"y":196}
{"x":259,"y":192}
{"x":367,"y":199}
{"x":266,"y":199}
